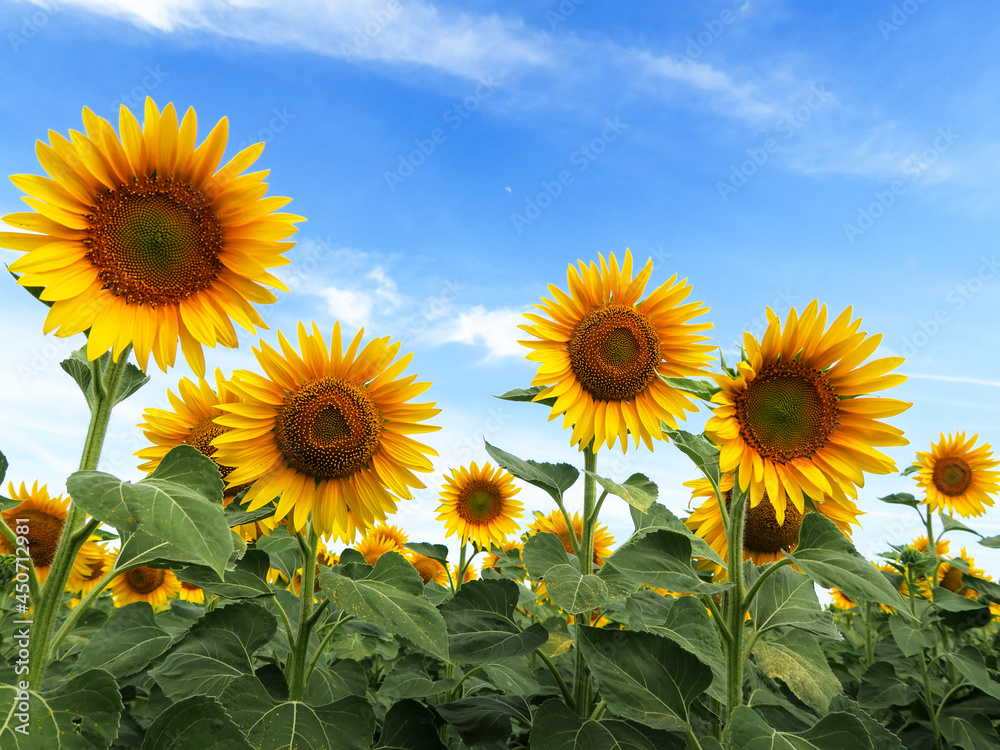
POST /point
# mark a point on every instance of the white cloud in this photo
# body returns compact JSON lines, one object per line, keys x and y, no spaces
{"x":496,"y":330}
{"x":352,"y":308}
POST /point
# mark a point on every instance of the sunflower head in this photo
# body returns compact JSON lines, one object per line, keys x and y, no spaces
{"x":796,"y":419}
{"x":429,"y":569}
{"x":841,"y":600}
{"x":957,"y":475}
{"x":602,"y":352}
{"x":950,"y":576}
{"x":328,"y":430}
{"x":373,"y":546}
{"x":191,"y":593}
{"x":92,"y":562}
{"x":479,"y":504}
{"x":555,"y":523}
{"x":43,"y":516}
{"x":141,"y":238}
{"x":144,"y":584}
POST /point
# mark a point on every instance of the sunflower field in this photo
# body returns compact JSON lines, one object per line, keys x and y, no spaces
{"x":254,"y":589}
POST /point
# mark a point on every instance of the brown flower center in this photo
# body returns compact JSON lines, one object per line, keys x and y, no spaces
{"x":154,"y":241}
{"x":144,"y":580}
{"x":328,"y":428}
{"x":952,"y":475}
{"x":201,"y":437}
{"x":952,"y":579}
{"x":43,"y":534}
{"x":614,"y":352}
{"x":787,"y":411}
{"x":761,"y":532}
{"x":479,"y":502}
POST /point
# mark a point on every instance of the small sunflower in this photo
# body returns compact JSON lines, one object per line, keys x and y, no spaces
{"x":603,"y":353}
{"x":479,"y":504}
{"x":92,"y":563}
{"x":191,"y":593}
{"x":470,"y":573}
{"x":44,"y":516}
{"x":144,"y":584}
{"x":841,"y":600}
{"x":554,"y":523}
{"x":429,"y":569}
{"x":950,"y":576}
{"x":191,"y":423}
{"x":941,"y":546}
{"x":328,"y":431}
{"x":797,"y":420}
{"x":957,"y":476}
{"x":394,"y":534}
{"x":142,"y":240}
{"x":765,"y":539}
{"x":373,"y":546}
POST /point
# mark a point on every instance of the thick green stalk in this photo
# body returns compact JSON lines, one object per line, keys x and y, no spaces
{"x":50,"y":596}
{"x":460,"y":571}
{"x":300,"y":649}
{"x":585,"y":557}
{"x":735,"y":610}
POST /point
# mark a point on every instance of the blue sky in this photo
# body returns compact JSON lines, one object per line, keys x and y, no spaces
{"x":453,"y":158}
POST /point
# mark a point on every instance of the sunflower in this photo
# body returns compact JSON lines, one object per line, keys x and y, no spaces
{"x":191,"y":593}
{"x":764,"y":537}
{"x":479,"y":504}
{"x":328,"y":431}
{"x":191,"y":423}
{"x":490,"y":560}
{"x":429,"y":569}
{"x":796,"y":420}
{"x":957,"y":476}
{"x":144,"y":584}
{"x":603,"y":354}
{"x":394,"y":534}
{"x":555,"y":523}
{"x":92,"y":562}
{"x":142,"y":241}
{"x":950,"y":576}
{"x":470,"y":573}
{"x":44,"y":516}
{"x":373,"y":546}
{"x":941,"y":546}
{"x":323,"y":557}
{"x":841,"y":600}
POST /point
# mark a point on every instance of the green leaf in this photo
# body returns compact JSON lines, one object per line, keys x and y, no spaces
{"x":658,"y":517}
{"x":198,"y":721}
{"x":392,"y":596}
{"x":969,"y":663}
{"x":787,"y":598}
{"x":528,"y":394}
{"x":553,"y":478}
{"x":911,"y":640}
{"x":684,"y":621}
{"x":217,"y":649}
{"x":283,"y":553}
{"x":127,"y":642}
{"x":409,"y":679}
{"x":881,"y":688}
{"x":881,"y":738}
{"x":347,"y":724}
{"x":485,"y":720}
{"x":796,"y":659}
{"x":620,"y":586}
{"x":556,"y":727}
{"x":703,"y":389}
{"x":901,"y":498}
{"x":481,"y":627}
{"x":829,"y":558}
{"x":835,"y":731}
{"x":3,"y":466}
{"x":662,"y":558}
{"x":434,"y":551}
{"x":699,"y":449}
{"x":950,"y":524}
{"x":179,"y":503}
{"x":969,"y":732}
{"x":335,"y":682}
{"x":545,"y":557}
{"x":638,"y":491}
{"x":247,"y":581}
{"x":78,"y":367}
{"x":644,"y":677}
{"x":513,"y":676}
{"x":409,"y":726}
{"x":237,"y":514}
{"x":993,"y":542}
{"x":81,"y":714}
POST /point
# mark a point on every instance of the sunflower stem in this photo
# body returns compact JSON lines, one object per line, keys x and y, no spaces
{"x":326,"y":639}
{"x":85,"y":602}
{"x":563,"y":687}
{"x":768,"y":571}
{"x":50,"y":595}
{"x":585,"y":558}
{"x":300,"y":648}
{"x":735,"y":610}
{"x":460,"y":574}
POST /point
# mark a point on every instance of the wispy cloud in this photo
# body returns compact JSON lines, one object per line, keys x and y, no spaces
{"x":496,"y":330}
{"x":954,"y":379}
